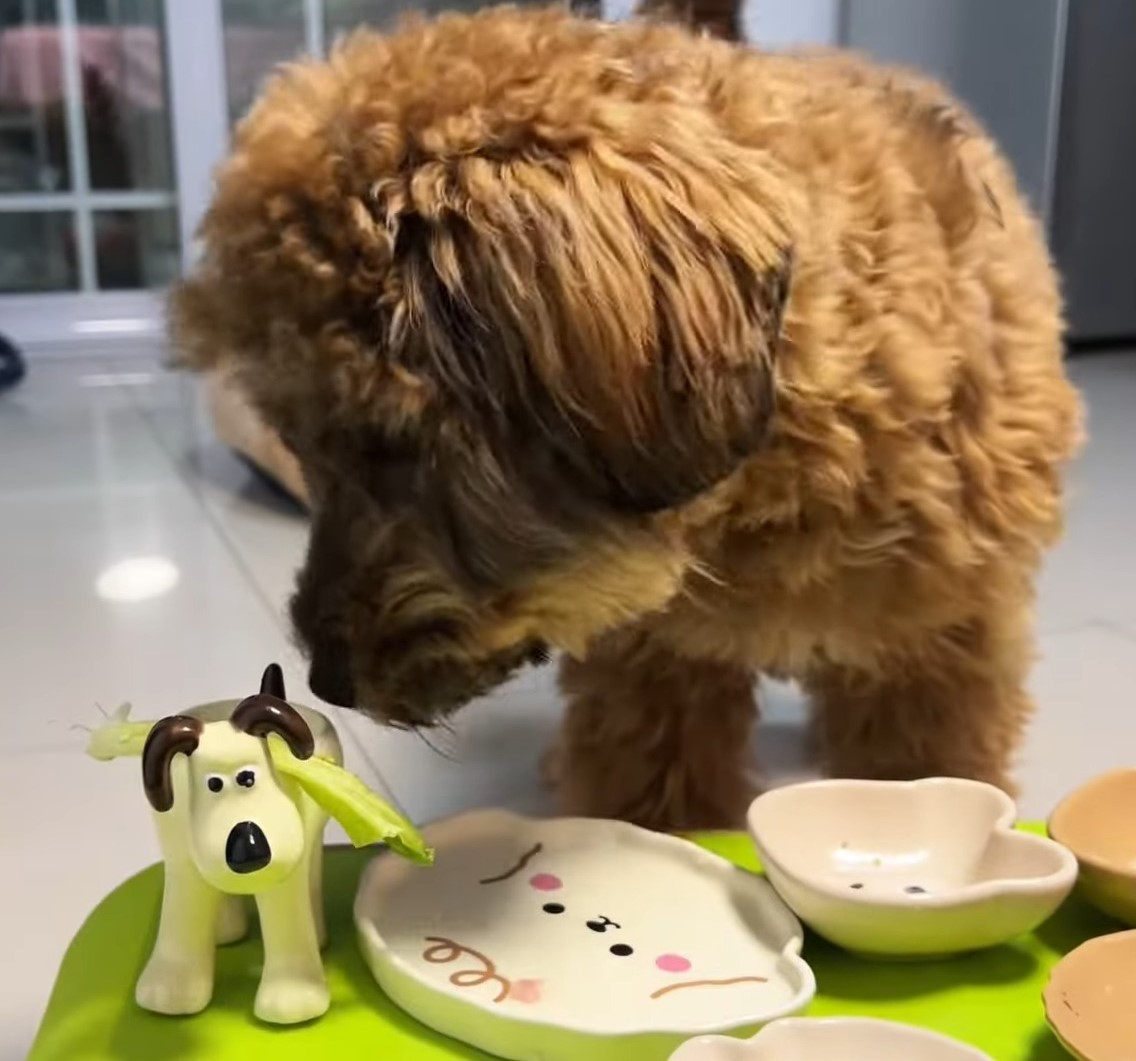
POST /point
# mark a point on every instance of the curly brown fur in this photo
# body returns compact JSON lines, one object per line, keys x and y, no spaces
{"x":597,"y":337}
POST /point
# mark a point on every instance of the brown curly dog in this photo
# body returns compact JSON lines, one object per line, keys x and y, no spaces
{"x":688,"y":361}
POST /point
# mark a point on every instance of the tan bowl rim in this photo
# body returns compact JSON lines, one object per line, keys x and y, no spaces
{"x":1086,"y":860}
{"x":1061,"y":878}
{"x":1128,"y":936}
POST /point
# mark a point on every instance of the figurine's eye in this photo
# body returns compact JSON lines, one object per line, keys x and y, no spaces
{"x":553,"y":908}
{"x":246,"y":778}
{"x":215,"y":783}
{"x":621,"y":950}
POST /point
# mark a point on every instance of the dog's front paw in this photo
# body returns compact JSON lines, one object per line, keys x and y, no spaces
{"x":176,"y":988}
{"x":292,"y":999}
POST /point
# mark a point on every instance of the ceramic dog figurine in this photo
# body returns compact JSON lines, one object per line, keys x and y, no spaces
{"x":241,"y":793}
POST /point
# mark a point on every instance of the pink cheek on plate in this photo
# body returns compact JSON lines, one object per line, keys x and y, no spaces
{"x":672,"y":963}
{"x":546,"y":882}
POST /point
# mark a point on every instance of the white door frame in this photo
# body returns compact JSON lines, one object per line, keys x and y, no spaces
{"x":195,"y":68}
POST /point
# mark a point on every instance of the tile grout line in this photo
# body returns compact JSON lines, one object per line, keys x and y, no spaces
{"x":1125,"y":628}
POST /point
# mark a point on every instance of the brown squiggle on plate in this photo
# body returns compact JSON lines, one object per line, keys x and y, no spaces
{"x":526,"y":858}
{"x":709,"y":983}
{"x":443,"y":951}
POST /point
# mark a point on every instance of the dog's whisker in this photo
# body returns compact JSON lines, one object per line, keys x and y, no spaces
{"x":440,"y":752}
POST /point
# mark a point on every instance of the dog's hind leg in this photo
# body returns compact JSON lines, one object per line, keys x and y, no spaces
{"x":952,"y":704}
{"x":655,"y":739}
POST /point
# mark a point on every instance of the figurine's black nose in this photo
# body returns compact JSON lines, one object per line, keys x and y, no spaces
{"x":247,"y":848}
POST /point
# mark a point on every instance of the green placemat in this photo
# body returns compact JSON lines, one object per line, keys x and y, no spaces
{"x":992,"y":999}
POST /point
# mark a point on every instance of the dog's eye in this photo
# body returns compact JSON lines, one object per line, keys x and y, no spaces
{"x":215,"y":783}
{"x":246,"y":778}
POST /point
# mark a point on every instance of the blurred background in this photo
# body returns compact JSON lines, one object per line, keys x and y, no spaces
{"x":113,"y":112}
{"x":149,"y":533}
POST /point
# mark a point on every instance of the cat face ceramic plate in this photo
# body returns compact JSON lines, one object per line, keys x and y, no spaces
{"x":568,"y":938}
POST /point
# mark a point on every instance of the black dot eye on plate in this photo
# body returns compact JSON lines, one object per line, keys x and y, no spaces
{"x":621,"y":950}
{"x":855,"y":887}
{"x":553,"y":908}
{"x":915,"y":889}
{"x":215,"y":784}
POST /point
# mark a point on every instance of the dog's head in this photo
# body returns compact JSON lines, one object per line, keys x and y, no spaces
{"x":512,"y":296}
{"x":244,"y":825}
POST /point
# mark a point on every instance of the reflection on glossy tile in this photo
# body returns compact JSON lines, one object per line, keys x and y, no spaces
{"x":267,"y":530}
{"x":66,"y":648}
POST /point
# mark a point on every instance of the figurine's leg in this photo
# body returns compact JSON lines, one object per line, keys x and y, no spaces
{"x":655,"y":739}
{"x":315,"y":890}
{"x":232,"y":919}
{"x":293,"y":987}
{"x":178,"y":978}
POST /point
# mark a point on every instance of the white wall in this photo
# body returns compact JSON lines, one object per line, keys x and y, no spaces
{"x":770,"y":23}
{"x":1004,"y":58}
{"x":792,"y":23}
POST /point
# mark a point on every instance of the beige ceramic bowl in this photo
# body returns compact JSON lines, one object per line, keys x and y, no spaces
{"x":830,"y":1040}
{"x":1095,"y":823}
{"x":1091,"y":996}
{"x":908,"y":869}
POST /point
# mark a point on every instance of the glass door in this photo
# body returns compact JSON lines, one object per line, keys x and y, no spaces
{"x":113,"y":114}
{"x":88,"y":201}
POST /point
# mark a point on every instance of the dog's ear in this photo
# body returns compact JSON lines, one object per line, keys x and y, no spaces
{"x":178,"y":734}
{"x":264,"y":713}
{"x":609,"y":324}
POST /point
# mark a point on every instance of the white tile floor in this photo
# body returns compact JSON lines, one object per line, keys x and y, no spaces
{"x":102,"y":460}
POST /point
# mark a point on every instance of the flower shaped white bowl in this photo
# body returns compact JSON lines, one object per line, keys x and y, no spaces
{"x":908,"y":869}
{"x":830,"y":1040}
{"x":569,"y":938}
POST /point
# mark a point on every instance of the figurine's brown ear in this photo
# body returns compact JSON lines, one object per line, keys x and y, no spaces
{"x":175,"y":735}
{"x":265,"y":713}
{"x":272,"y":681}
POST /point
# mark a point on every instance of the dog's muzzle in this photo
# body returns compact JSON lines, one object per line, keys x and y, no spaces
{"x":247,"y":848}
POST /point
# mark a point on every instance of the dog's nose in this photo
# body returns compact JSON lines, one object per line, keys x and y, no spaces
{"x":247,"y":848}
{"x":330,"y":673}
